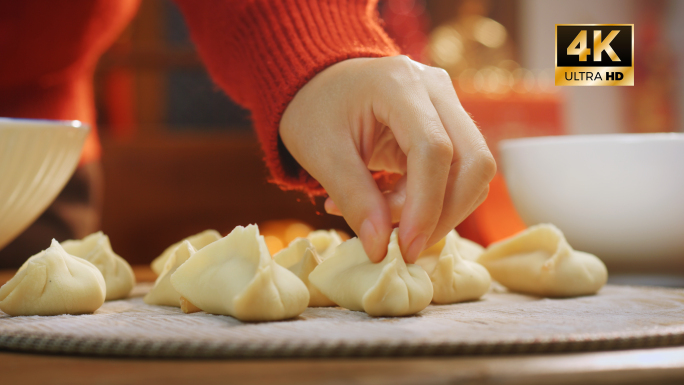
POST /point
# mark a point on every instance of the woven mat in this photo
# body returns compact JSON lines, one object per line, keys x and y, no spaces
{"x":619,"y":317}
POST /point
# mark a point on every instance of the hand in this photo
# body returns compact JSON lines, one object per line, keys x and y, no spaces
{"x":390,"y":114}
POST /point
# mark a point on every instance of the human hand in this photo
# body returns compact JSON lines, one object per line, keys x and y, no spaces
{"x":390,"y":114}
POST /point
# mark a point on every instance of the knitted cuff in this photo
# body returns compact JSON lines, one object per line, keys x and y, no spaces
{"x":287,"y":44}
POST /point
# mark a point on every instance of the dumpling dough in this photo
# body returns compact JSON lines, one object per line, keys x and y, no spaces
{"x":197,"y":241}
{"x":454,"y":279}
{"x":540,"y":261}
{"x":163,"y":292}
{"x":301,"y":258}
{"x":96,"y":249}
{"x":388,"y":288}
{"x":53,"y":282}
{"x":466,"y":248}
{"x":236,"y":276}
{"x":325,"y":242}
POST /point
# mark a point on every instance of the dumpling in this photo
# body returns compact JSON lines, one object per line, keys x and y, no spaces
{"x":454,"y":278}
{"x":53,"y":282}
{"x":301,"y":258}
{"x":197,"y":241}
{"x":466,"y":248}
{"x":236,"y":276}
{"x":325,"y":242}
{"x":187,"y":307}
{"x":163,"y":292}
{"x":96,"y":249}
{"x":540,"y":261}
{"x":388,"y":288}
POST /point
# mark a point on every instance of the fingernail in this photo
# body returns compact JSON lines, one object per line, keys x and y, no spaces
{"x":369,"y":237}
{"x":416,"y":248}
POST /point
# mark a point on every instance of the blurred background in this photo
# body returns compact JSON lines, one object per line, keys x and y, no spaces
{"x":180,"y":157}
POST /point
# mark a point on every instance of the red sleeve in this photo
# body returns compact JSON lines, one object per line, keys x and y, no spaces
{"x":261,"y":52}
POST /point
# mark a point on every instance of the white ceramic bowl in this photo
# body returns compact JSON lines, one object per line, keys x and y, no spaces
{"x":37,"y":157}
{"x":618,"y":196}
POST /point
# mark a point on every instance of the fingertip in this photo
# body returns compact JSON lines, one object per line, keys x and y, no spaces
{"x":374,"y":240}
{"x":415,"y":248}
{"x":331,"y":208}
{"x":355,"y":195}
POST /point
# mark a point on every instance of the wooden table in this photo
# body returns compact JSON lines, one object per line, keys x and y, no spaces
{"x":652,"y":366}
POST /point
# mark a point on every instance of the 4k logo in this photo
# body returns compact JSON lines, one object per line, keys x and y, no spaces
{"x":594,"y":54}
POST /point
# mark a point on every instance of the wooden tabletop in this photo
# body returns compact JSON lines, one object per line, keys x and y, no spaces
{"x":657,"y":366}
{"x":653,"y":366}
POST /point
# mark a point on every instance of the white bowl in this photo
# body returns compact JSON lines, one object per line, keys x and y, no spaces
{"x":37,"y":157}
{"x":618,"y":196}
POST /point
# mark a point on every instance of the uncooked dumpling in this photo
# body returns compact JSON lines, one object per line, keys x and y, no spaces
{"x":540,"y":261}
{"x":236,"y":276}
{"x":388,"y":288}
{"x":53,"y":282}
{"x":163,"y":292}
{"x":325,"y":242}
{"x":300,"y":257}
{"x":197,"y":241}
{"x":466,"y":248}
{"x":454,"y":279}
{"x":96,"y":249}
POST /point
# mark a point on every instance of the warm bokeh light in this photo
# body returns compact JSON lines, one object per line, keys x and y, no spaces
{"x":273,"y":243}
{"x":523,"y":80}
{"x":489,"y":32}
{"x":498,"y":80}
{"x":279,"y":233}
{"x":296,"y":230}
{"x":446,"y":46}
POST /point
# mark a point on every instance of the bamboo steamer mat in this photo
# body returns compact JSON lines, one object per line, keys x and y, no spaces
{"x":619,"y":317}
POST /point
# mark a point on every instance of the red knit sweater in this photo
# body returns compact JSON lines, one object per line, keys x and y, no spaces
{"x":261,"y":52}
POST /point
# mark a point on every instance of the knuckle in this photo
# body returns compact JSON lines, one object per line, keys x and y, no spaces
{"x":441,"y":74}
{"x":442,"y":82}
{"x":402,"y":71}
{"x":438,"y":146}
{"x":402,"y":61}
{"x":485,"y":165}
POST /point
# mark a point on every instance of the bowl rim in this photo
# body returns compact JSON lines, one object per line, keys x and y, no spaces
{"x":41,"y":123}
{"x":621,"y":138}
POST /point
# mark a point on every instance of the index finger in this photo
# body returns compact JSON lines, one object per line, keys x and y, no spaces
{"x":421,"y":135}
{"x":473,"y":166}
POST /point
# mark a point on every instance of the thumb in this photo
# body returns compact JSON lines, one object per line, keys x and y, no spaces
{"x":357,"y":197}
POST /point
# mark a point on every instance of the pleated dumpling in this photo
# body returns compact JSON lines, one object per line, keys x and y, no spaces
{"x":388,"y":288}
{"x":466,"y":248}
{"x":454,"y":278}
{"x":96,"y":249}
{"x":197,"y":241}
{"x":325,"y":242}
{"x":53,"y":282}
{"x":300,"y":257}
{"x":163,"y":292}
{"x":236,"y":276}
{"x":540,"y":261}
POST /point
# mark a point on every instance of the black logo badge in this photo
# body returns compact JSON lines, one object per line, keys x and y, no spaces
{"x":594,"y":54}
